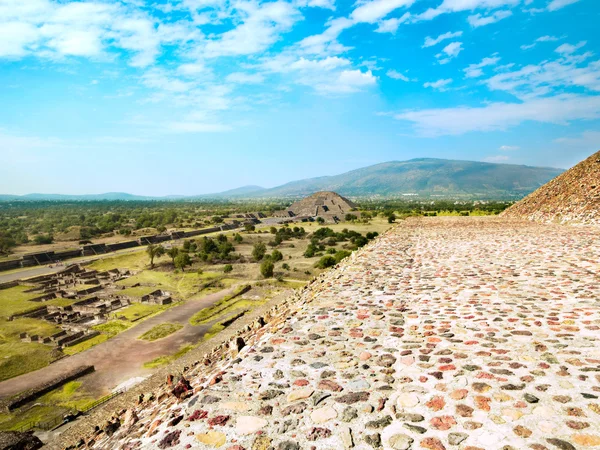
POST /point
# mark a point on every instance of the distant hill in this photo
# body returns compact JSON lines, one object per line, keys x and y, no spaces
{"x":424,"y":177}
{"x":573,"y":197}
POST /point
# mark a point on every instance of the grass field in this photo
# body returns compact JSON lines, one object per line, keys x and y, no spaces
{"x":160,"y":331}
{"x":85,"y":345}
{"x":164,"y":360}
{"x":138,"y":311}
{"x":21,"y":357}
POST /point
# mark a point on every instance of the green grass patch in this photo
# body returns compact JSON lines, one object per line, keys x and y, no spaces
{"x":19,"y":357}
{"x":85,"y":345}
{"x":113,"y":327}
{"x":138,"y":291}
{"x":184,"y":284}
{"x":15,"y":300}
{"x":134,"y":261}
{"x":224,"y":306}
{"x":38,"y":413}
{"x":138,"y":311}
{"x":164,"y":360}
{"x":160,"y":331}
{"x":68,"y":396}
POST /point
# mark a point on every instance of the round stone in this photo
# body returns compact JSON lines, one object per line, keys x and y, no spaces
{"x":400,"y":442}
{"x":407,"y":400}
{"x":323,"y":415}
{"x":249,"y":424}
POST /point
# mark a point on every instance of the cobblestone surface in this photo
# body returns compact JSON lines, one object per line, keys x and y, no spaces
{"x":457,"y":333}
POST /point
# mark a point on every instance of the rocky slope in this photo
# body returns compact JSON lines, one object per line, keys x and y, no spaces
{"x":445,"y":333}
{"x":573,"y":197}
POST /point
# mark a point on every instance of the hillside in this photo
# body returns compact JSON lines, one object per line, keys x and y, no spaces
{"x":573,"y":197}
{"x":426,"y":176}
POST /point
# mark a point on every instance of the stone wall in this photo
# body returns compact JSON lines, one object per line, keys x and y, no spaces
{"x":29,"y":396}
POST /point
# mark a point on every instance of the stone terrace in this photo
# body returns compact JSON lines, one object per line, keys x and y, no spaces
{"x":445,"y":333}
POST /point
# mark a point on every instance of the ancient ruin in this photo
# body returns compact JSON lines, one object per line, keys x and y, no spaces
{"x":573,"y":197}
{"x":95,"y":295}
{"x":330,"y":206}
{"x":467,"y":333}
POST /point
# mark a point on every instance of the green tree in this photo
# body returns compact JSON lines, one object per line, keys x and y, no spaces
{"x":320,"y":220}
{"x":258,"y":251}
{"x":249,"y":227}
{"x":325,"y":262}
{"x":238,"y":238}
{"x":182,"y":260}
{"x":228,"y":268}
{"x":392,"y":218}
{"x":173,"y":252}
{"x":276,"y":255}
{"x":350,"y":217}
{"x":267,"y":268}
{"x":154,"y":251}
{"x":43,"y":239}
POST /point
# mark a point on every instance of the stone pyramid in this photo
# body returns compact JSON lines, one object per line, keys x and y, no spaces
{"x":573,"y":197}
{"x":328,"y":205}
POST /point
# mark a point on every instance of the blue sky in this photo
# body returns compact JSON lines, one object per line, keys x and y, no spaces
{"x":195,"y":96}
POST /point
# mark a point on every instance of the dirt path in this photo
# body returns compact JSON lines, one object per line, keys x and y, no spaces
{"x":121,"y":358}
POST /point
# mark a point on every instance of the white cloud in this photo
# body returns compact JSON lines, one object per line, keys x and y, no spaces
{"x":450,"y":6}
{"x":475,"y":70}
{"x":348,"y":81}
{"x":326,"y":4}
{"x":245,"y":78}
{"x":261,"y":27}
{"x":430,"y":42}
{"x":391,"y":25}
{"x":559,"y":110}
{"x":567,"y":49}
{"x":374,"y":10}
{"x":190,"y":69}
{"x":57,"y":30}
{"x":370,"y":11}
{"x":509,"y":148}
{"x":397,"y":75}
{"x":478,"y":20}
{"x":547,"y":39}
{"x":540,"y":39}
{"x":440,"y":85}
{"x":496,"y":158}
{"x":449,"y":52}
{"x":558,"y":4}
{"x":571,"y":70}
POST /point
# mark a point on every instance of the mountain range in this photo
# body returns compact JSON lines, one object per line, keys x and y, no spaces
{"x":423,"y":177}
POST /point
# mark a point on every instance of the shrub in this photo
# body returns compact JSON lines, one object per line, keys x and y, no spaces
{"x":43,"y":239}
{"x":276,"y":256}
{"x":325,"y":262}
{"x":228,"y":268}
{"x":258,"y":251}
{"x":266,"y":268}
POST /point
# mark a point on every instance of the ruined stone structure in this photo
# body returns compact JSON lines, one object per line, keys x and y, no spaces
{"x":573,"y":197}
{"x":466,"y":333}
{"x":330,"y":206}
{"x":78,"y":318}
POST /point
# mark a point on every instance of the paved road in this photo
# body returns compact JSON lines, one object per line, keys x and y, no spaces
{"x":121,"y":358}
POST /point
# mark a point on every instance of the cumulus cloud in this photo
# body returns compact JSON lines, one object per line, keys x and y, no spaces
{"x":397,"y":75}
{"x":558,"y":110}
{"x":475,"y":70}
{"x":430,"y":42}
{"x":440,"y":85}
{"x":479,"y":20}
{"x":451,"y":6}
{"x":449,"y":52}
{"x":558,"y":4}
{"x":509,"y":148}
{"x":348,"y":81}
